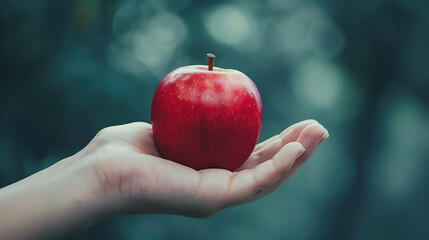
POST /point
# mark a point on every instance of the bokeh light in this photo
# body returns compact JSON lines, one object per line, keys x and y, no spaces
{"x":319,"y":82}
{"x":155,"y":42}
{"x":327,"y":39}
{"x":230,"y":25}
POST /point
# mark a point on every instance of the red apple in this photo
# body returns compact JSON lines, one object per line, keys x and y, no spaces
{"x":205,"y":117}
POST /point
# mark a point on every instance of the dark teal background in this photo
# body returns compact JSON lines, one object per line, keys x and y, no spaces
{"x":361,"y":68}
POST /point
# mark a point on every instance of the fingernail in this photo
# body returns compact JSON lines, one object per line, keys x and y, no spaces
{"x":324,"y":137}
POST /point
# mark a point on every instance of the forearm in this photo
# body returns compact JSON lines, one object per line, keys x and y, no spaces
{"x":50,"y":204}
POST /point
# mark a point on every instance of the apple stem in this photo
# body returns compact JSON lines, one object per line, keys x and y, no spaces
{"x":210,"y":59}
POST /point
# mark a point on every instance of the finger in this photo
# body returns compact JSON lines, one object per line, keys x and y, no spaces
{"x":310,"y":138}
{"x":245,"y":184}
{"x":271,"y":149}
{"x":268,"y":150}
{"x":266,"y":142}
{"x":273,"y":138}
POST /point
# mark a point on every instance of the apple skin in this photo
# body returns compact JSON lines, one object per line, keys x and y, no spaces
{"x":206,"y":119}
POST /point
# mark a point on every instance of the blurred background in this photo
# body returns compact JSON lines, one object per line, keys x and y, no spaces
{"x":71,"y":68}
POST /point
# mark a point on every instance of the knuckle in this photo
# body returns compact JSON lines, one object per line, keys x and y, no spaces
{"x":256,"y":157}
{"x":105,"y":131}
{"x":284,"y":140}
{"x":104,"y":137}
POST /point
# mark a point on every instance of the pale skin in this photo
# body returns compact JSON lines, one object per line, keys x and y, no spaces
{"x":121,"y":172}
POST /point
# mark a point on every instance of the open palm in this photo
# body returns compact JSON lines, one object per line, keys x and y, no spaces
{"x":134,"y":177}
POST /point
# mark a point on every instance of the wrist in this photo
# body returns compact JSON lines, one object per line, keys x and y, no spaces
{"x":77,"y":189}
{"x":64,"y":197}
{"x":52,"y":203}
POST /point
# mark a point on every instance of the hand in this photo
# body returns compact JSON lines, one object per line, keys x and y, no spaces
{"x":121,"y":171}
{"x":134,"y":178}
